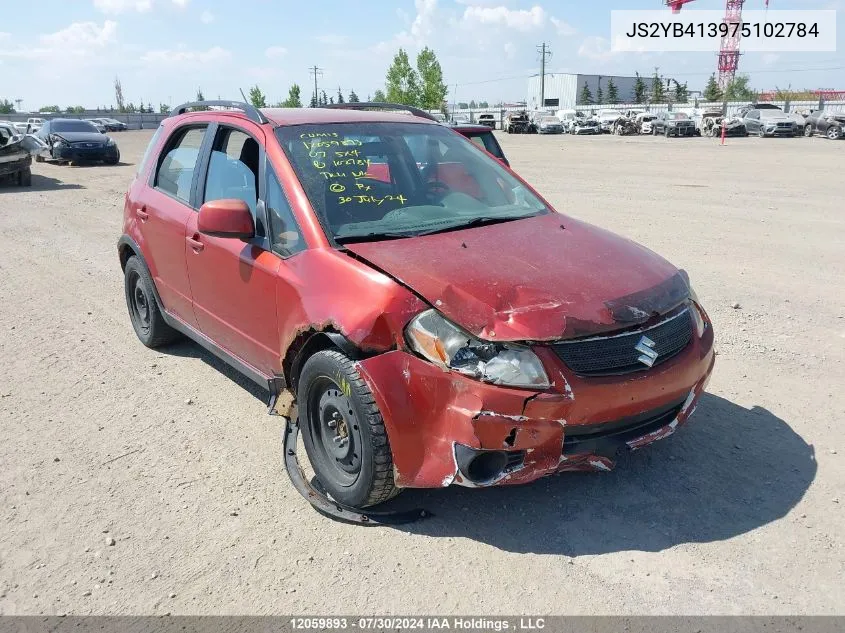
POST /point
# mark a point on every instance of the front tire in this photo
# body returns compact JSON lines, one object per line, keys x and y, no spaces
{"x":833,"y":133}
{"x":147,"y":320}
{"x":808,"y":130}
{"x":25,"y":177}
{"x":343,"y":431}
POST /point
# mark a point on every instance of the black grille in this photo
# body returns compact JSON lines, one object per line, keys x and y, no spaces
{"x":618,"y":355}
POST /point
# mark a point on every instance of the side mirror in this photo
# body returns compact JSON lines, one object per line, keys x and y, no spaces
{"x":226,"y":218}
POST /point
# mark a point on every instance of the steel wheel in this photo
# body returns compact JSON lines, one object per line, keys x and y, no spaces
{"x":139,"y":303}
{"x":335,"y":432}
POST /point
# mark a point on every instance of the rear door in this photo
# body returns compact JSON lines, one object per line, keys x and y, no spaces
{"x":163,"y":209}
{"x":233,"y":282}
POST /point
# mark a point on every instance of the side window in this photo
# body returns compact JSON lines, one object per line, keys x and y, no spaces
{"x":176,"y":170}
{"x":284,"y":231}
{"x":153,"y":142}
{"x":233,"y":168}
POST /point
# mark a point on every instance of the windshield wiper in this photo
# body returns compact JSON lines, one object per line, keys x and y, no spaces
{"x":371,"y":237}
{"x":482,"y":221}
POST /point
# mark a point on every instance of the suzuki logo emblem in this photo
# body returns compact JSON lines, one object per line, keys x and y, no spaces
{"x":646,"y":349}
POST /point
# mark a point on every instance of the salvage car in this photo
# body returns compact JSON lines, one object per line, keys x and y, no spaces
{"x":712,"y":122}
{"x":15,"y":158}
{"x":673,"y":124}
{"x":828,"y":124}
{"x":585,"y":125}
{"x":487,"y":119}
{"x":73,"y":140}
{"x":417,"y":309}
{"x":644,"y":121}
{"x":607,"y":119}
{"x":518,"y":123}
{"x":770,"y":122}
{"x":549,"y":125}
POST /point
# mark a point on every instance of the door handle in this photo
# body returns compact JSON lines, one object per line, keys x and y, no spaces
{"x":142,"y":214}
{"x":195,"y":243}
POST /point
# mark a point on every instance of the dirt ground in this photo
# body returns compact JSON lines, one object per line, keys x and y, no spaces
{"x":145,"y":482}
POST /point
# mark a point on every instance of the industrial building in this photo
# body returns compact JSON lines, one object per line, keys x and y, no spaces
{"x":562,"y":90}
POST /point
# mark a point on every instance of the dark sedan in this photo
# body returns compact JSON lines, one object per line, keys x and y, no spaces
{"x":829,"y":124}
{"x":73,"y":140}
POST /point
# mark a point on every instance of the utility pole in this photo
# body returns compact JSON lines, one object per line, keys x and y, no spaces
{"x":544,"y":52}
{"x":314,"y":70}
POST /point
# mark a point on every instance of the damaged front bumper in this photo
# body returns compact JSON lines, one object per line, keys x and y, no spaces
{"x":446,"y":428}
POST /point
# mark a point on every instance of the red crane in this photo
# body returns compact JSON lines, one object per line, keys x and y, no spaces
{"x":729,"y":51}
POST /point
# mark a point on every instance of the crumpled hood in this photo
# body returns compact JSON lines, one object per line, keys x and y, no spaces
{"x":532,"y":279}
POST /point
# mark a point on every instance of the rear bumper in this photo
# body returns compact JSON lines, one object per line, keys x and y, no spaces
{"x":433,"y":416}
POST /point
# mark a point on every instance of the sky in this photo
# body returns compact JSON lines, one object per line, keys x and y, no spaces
{"x":68,"y":52}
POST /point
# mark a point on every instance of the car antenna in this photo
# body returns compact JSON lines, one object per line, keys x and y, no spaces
{"x":243,"y":95}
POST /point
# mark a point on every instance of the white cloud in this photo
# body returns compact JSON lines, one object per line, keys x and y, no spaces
{"x":206,"y":17}
{"x":81,"y":35}
{"x":186,"y":56}
{"x":181,"y":3}
{"x":563,"y":27}
{"x":595,"y":48}
{"x":4,"y":36}
{"x":518,"y":19}
{"x":121,"y":6}
{"x":275,"y":52}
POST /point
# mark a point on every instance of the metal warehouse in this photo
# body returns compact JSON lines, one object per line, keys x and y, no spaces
{"x":563,"y":89}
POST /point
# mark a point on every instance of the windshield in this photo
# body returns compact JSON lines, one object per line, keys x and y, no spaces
{"x":387,"y":180}
{"x":676,"y":116}
{"x":73,"y":126}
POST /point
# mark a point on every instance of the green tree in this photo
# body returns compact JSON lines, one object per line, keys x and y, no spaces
{"x":711,"y":90}
{"x":324,"y":100}
{"x":118,"y":95}
{"x":256,"y":97}
{"x":314,"y":102}
{"x":639,"y":90}
{"x":200,"y":97}
{"x":658,"y":94}
{"x":379,"y":97}
{"x":681,"y":92}
{"x":612,"y":91}
{"x":294,"y":99}
{"x":340,"y":96}
{"x":163,"y":108}
{"x":483,"y":104}
{"x":599,"y":95}
{"x":6,"y":107}
{"x":402,"y":82}
{"x":586,"y":97}
{"x":53,"y":108}
{"x":739,"y":90}
{"x":473,"y":105}
{"x":130,"y":107}
{"x":353,"y":98}
{"x":462,"y":105}
{"x":432,"y":91}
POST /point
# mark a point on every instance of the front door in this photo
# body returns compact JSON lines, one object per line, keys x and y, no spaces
{"x":233,"y":282}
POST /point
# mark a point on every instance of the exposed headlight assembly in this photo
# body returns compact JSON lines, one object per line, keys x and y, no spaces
{"x":445,"y":344}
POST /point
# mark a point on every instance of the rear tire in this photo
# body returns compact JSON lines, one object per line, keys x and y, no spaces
{"x":833,"y":133}
{"x":147,"y":320}
{"x":808,"y":130}
{"x":25,"y":177}
{"x":343,"y":431}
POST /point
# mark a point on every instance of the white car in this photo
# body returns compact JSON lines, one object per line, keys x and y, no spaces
{"x":644,"y":120}
{"x":607,"y":118}
{"x":33,"y":124}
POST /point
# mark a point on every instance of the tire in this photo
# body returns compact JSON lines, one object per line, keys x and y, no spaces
{"x":25,"y":177}
{"x":833,"y":133}
{"x":39,"y":158}
{"x":144,"y":313}
{"x":761,"y":133}
{"x":808,"y":130}
{"x":666,"y":132}
{"x":358,"y":470}
{"x":113,"y":161}
{"x":654,"y":130}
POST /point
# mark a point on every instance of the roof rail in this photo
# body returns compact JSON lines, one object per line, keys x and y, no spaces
{"x":377,"y":105}
{"x":252,"y":113}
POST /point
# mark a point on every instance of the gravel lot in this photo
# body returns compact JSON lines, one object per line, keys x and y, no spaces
{"x":138,"y":481}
